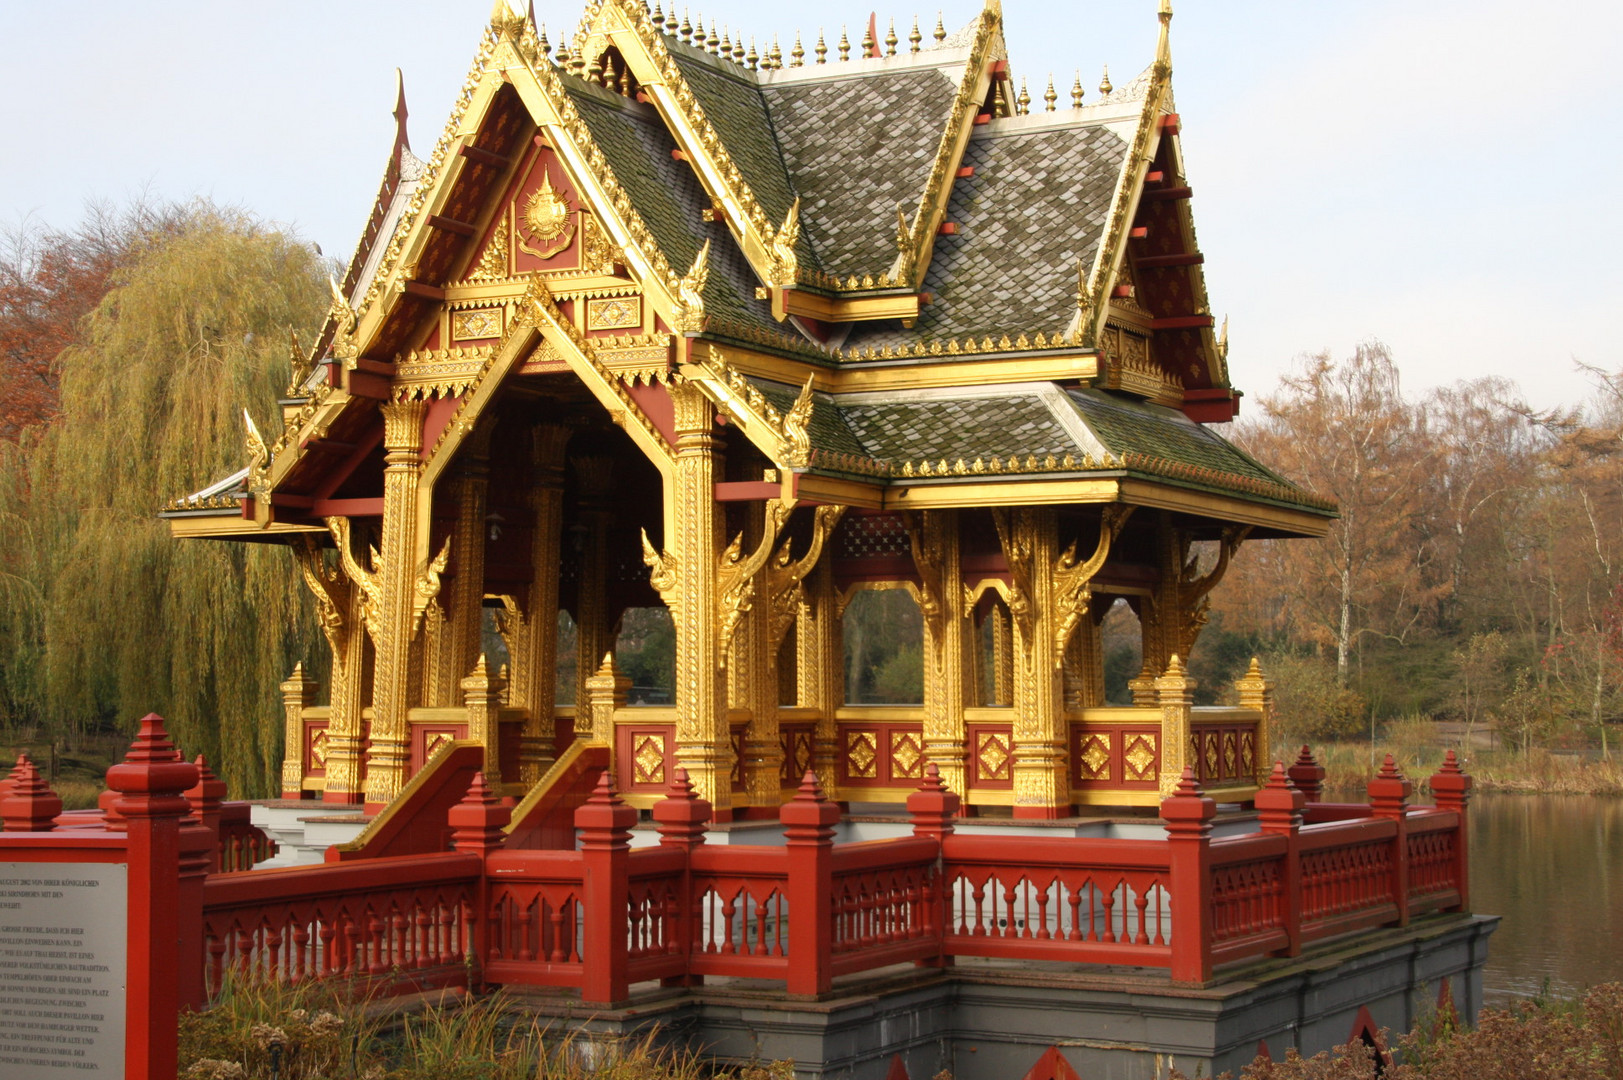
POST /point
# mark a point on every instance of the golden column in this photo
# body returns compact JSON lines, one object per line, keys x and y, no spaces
{"x":685,"y":575}
{"x":1175,"y":692}
{"x":1256,"y":691}
{"x":820,"y":668}
{"x":341,"y":608}
{"x":298,"y":694}
{"x":399,"y":613}
{"x":460,"y":642}
{"x":937,"y":554}
{"x":1030,"y":544}
{"x":593,"y":637}
{"x":534,"y":667}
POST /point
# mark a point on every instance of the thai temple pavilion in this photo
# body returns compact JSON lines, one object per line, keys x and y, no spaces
{"x":666,"y":320}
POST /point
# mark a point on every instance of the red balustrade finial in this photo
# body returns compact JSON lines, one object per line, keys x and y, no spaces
{"x":809,"y":816}
{"x":681,"y":815}
{"x":29,"y":804}
{"x":478,"y":819}
{"x":1280,"y":802}
{"x":1188,"y":784}
{"x":1307,"y":774}
{"x":209,"y":791}
{"x":1450,"y":785}
{"x":933,"y":806}
{"x":1187,"y":808}
{"x":1389,"y":790}
{"x":603,"y":819}
{"x":152,"y":780}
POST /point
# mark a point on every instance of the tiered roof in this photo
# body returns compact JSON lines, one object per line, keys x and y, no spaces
{"x":887,"y":268}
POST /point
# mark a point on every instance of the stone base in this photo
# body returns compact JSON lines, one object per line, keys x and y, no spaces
{"x":986,"y":1021}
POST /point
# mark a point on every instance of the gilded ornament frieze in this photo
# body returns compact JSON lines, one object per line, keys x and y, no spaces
{"x":476,"y":324}
{"x":614,"y":313}
{"x":493,"y":264}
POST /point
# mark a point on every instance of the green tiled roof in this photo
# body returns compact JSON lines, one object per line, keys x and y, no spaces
{"x":1126,"y":425}
{"x":1035,"y":206}
{"x":856,"y":148}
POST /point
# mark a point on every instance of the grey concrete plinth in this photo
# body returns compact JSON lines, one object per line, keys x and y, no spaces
{"x":992,"y":1021}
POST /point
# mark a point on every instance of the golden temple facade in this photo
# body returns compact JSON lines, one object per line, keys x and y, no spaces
{"x":662,"y":322}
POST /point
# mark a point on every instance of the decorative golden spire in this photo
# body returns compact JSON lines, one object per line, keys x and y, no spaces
{"x":753,"y":59}
{"x":1076,"y":90}
{"x":687,"y":29}
{"x":658,"y":19}
{"x":1022,"y":104}
{"x":713,"y":43}
{"x":726,"y":44}
{"x":867,"y":43}
{"x":1223,"y":342}
{"x":940,"y":30}
{"x":1104,"y":82}
{"x":777,"y":54}
{"x":1049,"y":97}
{"x":543,"y":46}
{"x":698,"y":30}
{"x":845,"y":46}
{"x":822,"y":49}
{"x":914,"y":37}
{"x":797,"y":55}
{"x":1163,"y":47}
{"x":298,"y":370}
{"x":891,"y":39}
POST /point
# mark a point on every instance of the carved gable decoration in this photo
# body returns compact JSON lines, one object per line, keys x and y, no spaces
{"x":546,"y":213}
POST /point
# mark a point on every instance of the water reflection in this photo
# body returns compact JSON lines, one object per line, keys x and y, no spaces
{"x":1552,"y":865}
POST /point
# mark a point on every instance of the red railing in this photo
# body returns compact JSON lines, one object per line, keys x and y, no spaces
{"x":243,"y":845}
{"x":399,"y":918}
{"x":600,"y":916}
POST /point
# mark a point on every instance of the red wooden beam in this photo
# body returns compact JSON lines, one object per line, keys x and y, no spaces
{"x":949,"y":228}
{"x":423,"y":290}
{"x":450,"y":225}
{"x":348,"y":507}
{"x":480,"y":156}
{"x":1170,"y":193}
{"x":1139,"y":232}
{"x":966,"y":171}
{"x":1150,"y":262}
{"x":1182,"y":322}
{"x":747,"y":490}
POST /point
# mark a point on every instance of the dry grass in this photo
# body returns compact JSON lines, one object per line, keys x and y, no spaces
{"x":1349,"y":765}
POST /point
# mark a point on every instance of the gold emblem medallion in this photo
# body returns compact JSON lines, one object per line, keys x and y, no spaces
{"x":546,"y":221}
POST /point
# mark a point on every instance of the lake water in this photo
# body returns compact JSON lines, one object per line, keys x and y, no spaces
{"x":1552,"y":865}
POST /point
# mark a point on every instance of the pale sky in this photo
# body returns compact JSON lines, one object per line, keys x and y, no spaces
{"x":1442,"y":175}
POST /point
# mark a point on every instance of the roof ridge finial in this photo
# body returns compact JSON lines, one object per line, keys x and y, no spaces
{"x":686,"y":31}
{"x":1104,"y":83}
{"x":658,"y":18}
{"x":940,"y":30}
{"x":713,"y":43}
{"x":870,"y":33}
{"x":891,"y":40}
{"x":777,"y":54}
{"x":400,"y":113}
{"x":1022,"y":104}
{"x":753,"y":58}
{"x":822,"y":47}
{"x":542,"y":45}
{"x":914,"y":37}
{"x":1076,"y":90}
{"x":845,"y":45}
{"x":1049,"y":97}
{"x":797,"y":55}
{"x":1163,"y":46}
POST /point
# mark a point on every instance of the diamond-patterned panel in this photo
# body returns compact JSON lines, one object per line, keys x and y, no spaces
{"x":1093,"y":761}
{"x":1142,"y":756}
{"x":906,"y":756}
{"x":648,"y":759}
{"x":862,"y":755}
{"x":993,"y":760}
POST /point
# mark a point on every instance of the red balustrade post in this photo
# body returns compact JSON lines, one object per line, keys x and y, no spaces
{"x":27,"y":803}
{"x":932,"y":808}
{"x":205,"y":798}
{"x":682,"y":818}
{"x":1308,"y":775}
{"x":605,"y":831}
{"x":150,"y":785}
{"x":1279,"y":805}
{"x":1188,"y":814}
{"x":808,"y":831}
{"x":1451,"y":790}
{"x":476,"y":828}
{"x":1389,"y":798}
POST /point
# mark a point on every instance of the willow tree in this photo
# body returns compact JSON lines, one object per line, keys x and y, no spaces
{"x":128,"y":621}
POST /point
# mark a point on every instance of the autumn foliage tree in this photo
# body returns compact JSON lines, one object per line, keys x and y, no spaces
{"x":103,"y":617}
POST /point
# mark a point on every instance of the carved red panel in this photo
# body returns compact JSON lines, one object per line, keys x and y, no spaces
{"x":1141,"y":757}
{"x":906,"y":755}
{"x":796,"y":742}
{"x":991,"y":764}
